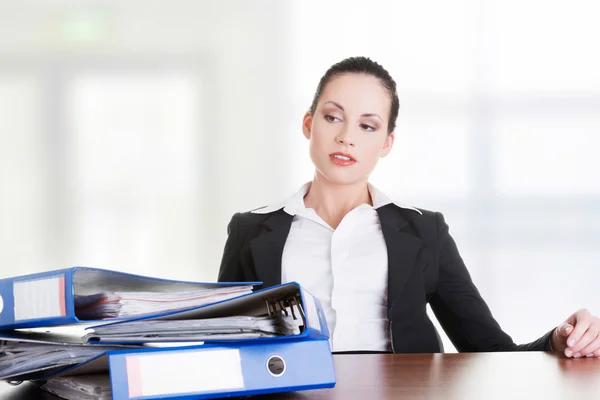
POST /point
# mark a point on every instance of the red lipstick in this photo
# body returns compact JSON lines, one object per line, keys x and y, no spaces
{"x":342,"y":159}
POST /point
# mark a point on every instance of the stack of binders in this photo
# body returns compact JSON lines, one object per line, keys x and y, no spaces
{"x":149,"y":338}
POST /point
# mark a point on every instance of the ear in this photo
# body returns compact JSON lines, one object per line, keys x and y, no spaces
{"x":307,"y":125}
{"x":387,"y":145}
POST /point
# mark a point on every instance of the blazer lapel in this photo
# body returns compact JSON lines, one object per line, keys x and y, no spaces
{"x":267,"y":249}
{"x":402,"y":247}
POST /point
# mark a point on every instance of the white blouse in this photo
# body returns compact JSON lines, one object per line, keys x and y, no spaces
{"x":345,"y":268}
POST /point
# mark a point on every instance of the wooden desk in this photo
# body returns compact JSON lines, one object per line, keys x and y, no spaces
{"x":465,"y":376}
{"x":512,"y":376}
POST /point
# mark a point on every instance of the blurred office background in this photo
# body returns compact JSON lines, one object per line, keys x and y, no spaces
{"x":131,"y":131}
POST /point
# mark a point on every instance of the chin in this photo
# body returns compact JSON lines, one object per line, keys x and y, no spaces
{"x":342,"y":177}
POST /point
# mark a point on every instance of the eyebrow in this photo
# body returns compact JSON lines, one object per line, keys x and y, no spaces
{"x":342,"y":108}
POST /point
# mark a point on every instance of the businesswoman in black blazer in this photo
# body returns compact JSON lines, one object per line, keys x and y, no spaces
{"x":373,"y":263}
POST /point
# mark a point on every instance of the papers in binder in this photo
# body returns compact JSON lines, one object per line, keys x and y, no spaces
{"x":82,"y":387}
{"x":282,"y":312}
{"x":211,"y":329}
{"x":21,"y":361}
{"x":125,"y":304}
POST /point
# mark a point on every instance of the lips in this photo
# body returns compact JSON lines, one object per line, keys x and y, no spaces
{"x":342,"y":159}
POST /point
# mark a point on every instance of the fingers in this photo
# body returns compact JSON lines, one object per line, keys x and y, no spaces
{"x":584,"y":340}
{"x":579,"y":335}
{"x":580,"y":347}
{"x":573,"y":341}
{"x":591,"y":349}
{"x":565,"y":329}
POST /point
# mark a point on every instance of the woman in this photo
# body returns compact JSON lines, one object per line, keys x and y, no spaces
{"x":373,"y":263}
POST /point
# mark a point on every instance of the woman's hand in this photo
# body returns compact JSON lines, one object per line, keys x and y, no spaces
{"x":578,"y":336}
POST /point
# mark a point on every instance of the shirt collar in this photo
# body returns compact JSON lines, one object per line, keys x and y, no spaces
{"x":295,"y":204}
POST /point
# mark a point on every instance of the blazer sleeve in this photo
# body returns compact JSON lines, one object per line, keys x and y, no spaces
{"x":231,"y":269}
{"x":461,"y":310}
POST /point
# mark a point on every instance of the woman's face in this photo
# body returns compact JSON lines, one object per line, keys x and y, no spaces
{"x":348,"y":131}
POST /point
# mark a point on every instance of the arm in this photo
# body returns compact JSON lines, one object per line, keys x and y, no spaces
{"x":231,"y":268}
{"x":461,"y":310}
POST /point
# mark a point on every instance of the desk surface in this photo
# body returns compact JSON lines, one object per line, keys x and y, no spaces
{"x":462,"y":376}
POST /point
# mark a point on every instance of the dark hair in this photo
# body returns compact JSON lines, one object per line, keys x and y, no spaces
{"x":361,"y":65}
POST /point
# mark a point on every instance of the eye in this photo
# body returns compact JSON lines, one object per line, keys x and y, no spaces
{"x":367,"y":128}
{"x":330,"y":118}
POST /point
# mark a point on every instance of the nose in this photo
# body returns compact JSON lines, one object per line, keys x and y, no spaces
{"x":346,"y":137}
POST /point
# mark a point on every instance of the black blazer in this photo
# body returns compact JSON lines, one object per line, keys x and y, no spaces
{"x":424,"y":266}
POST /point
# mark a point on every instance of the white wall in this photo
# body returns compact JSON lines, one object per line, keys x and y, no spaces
{"x":53,"y":54}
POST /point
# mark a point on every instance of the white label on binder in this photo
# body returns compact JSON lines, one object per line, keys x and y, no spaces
{"x":311,"y":311}
{"x":40,"y":298}
{"x":180,"y":372}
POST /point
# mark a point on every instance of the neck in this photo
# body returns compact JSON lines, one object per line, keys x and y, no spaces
{"x":333,"y":201}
